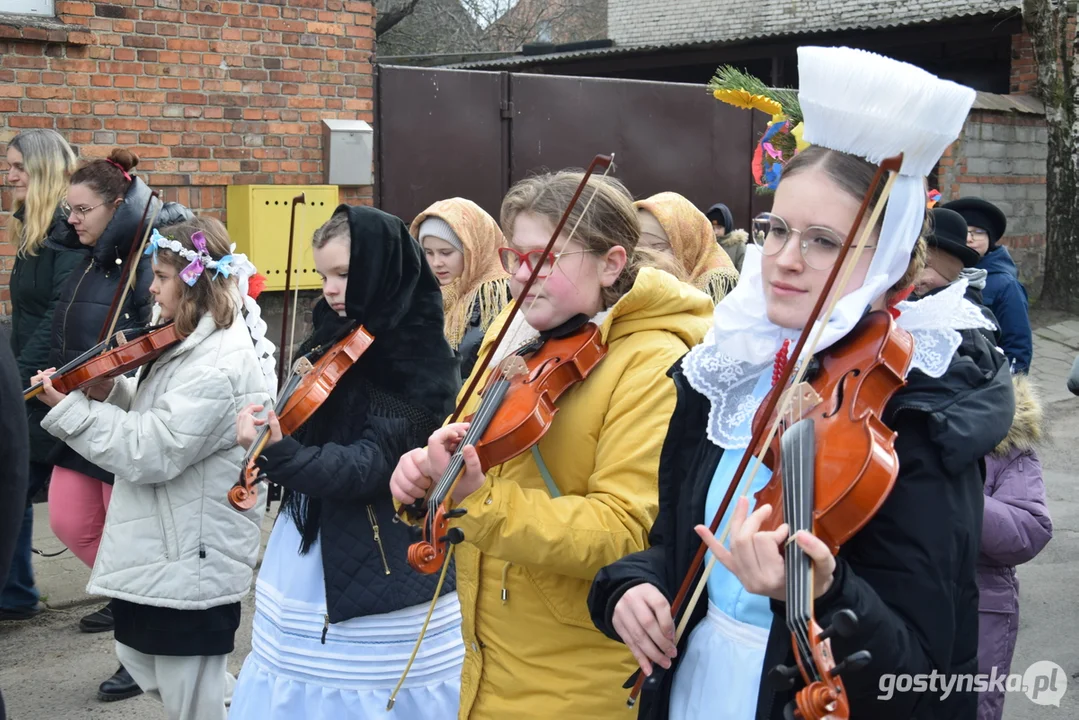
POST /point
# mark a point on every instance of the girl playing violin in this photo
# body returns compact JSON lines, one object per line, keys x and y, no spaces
{"x":337,"y":608}
{"x":672,"y":224}
{"x":908,"y":575}
{"x":538,"y":527}
{"x":461,"y":244}
{"x":175,"y":558}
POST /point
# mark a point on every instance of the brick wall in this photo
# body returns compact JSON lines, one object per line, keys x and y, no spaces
{"x":647,"y":22}
{"x":1001,"y":157}
{"x":208,"y":93}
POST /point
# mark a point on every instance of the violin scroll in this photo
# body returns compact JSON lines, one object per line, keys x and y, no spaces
{"x":823,"y":697}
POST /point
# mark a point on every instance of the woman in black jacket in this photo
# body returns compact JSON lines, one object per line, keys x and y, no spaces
{"x":337,"y":606}
{"x":105,"y":203}
{"x":909,"y":573}
{"x":40,"y":162}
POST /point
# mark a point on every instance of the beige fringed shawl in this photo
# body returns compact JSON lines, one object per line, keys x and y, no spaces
{"x":483,"y":282}
{"x":693,"y":241}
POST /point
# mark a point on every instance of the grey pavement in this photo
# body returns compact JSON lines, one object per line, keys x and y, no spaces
{"x":49,"y":670}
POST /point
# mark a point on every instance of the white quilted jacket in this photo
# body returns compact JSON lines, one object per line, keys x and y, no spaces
{"x":171,"y":538}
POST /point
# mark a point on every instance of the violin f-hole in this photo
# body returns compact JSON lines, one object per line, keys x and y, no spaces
{"x":542,"y":368}
{"x":839,"y":391}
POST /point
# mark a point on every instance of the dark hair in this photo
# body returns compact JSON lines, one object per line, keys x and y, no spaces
{"x":173,"y":213}
{"x":110,"y":178}
{"x":855,"y":176}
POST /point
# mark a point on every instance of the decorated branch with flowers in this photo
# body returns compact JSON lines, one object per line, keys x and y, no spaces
{"x":782,"y":140}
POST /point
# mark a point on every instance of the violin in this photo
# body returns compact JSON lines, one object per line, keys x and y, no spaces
{"x":105,"y":360}
{"x":93,"y":366}
{"x":833,"y":462}
{"x":516,"y":409}
{"x":306,"y":389}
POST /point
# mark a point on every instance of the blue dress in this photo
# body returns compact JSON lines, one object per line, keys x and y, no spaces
{"x":720,"y":673}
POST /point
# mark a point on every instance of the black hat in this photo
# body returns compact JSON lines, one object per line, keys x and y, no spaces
{"x":981,"y":214}
{"x":722,"y":213}
{"x":950,"y":236}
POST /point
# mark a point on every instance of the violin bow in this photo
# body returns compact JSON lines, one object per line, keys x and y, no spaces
{"x":756,"y":445}
{"x":283,"y":349}
{"x":120,"y":296}
{"x":607,"y":161}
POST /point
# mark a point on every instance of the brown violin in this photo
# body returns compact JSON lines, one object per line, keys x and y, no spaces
{"x":93,"y":366}
{"x":516,"y":410}
{"x":833,"y":463}
{"x":305,"y":390}
{"x":532,"y":380}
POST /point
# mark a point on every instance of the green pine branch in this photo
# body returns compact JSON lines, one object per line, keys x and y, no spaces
{"x":731,"y":78}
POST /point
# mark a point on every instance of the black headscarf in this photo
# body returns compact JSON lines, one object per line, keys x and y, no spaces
{"x":394,"y":294}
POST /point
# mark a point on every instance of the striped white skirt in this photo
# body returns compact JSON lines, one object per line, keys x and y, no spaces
{"x":290,"y":673}
{"x":720,"y":674}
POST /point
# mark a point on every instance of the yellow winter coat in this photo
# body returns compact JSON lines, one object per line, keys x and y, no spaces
{"x":528,"y":560}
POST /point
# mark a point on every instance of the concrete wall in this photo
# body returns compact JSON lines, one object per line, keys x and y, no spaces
{"x":1001,"y":158}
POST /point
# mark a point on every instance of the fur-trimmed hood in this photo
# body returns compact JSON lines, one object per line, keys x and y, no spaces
{"x":1028,"y":428}
{"x":734,"y":237}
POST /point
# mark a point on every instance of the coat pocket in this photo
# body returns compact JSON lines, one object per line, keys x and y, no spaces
{"x":167,"y":522}
{"x":566,"y":597}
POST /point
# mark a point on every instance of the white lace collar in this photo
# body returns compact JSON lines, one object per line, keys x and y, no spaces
{"x":934,"y":322}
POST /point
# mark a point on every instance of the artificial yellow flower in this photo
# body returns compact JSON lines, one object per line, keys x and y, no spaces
{"x":744,"y":99}
{"x":798,"y":132}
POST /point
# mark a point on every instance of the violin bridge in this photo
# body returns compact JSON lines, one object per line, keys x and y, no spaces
{"x":303,"y":366}
{"x":513,"y":366}
{"x":800,"y":398}
{"x":121,"y":339}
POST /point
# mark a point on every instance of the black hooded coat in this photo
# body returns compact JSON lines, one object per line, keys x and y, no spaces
{"x":84,"y":301}
{"x":336,"y":469}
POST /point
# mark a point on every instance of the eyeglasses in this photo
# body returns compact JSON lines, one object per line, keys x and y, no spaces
{"x":977,"y":233}
{"x":511,"y":260}
{"x":820,"y":246}
{"x":77,"y":212}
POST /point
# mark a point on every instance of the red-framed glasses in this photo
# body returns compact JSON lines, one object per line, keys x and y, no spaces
{"x":511,"y":260}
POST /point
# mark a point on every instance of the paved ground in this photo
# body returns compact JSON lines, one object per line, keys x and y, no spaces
{"x":49,"y":670}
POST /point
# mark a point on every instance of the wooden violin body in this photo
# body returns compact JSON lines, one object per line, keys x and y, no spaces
{"x":528,"y":408}
{"x":834,"y":464}
{"x":516,"y":411}
{"x":304,"y":392}
{"x":128,"y":356}
{"x":855,"y":463}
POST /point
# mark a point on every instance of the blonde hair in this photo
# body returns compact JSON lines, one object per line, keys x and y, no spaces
{"x":208,"y":295}
{"x":611,"y":221}
{"x":49,"y":161}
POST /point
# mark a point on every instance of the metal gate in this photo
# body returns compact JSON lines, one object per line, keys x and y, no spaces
{"x":458,"y":133}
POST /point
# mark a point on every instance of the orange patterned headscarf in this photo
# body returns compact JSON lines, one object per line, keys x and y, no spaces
{"x":483,"y":281}
{"x":693,"y":242}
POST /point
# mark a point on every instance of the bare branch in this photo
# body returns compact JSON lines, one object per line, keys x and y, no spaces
{"x":387,"y":19}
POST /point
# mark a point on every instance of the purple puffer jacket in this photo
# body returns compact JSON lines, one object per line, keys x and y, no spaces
{"x":1015,"y":527}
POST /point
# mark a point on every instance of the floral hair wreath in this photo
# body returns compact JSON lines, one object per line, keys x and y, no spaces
{"x":782,"y":140}
{"x":198,"y":259}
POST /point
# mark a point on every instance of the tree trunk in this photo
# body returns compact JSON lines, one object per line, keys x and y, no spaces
{"x":1058,"y":71}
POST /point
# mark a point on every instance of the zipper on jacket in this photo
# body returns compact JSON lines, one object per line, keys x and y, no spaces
{"x":505,"y":592}
{"x":67,"y":310}
{"x":378,"y":537}
{"x":325,"y":628}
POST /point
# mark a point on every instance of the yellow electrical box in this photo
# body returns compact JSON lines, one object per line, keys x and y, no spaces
{"x":259,"y":217}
